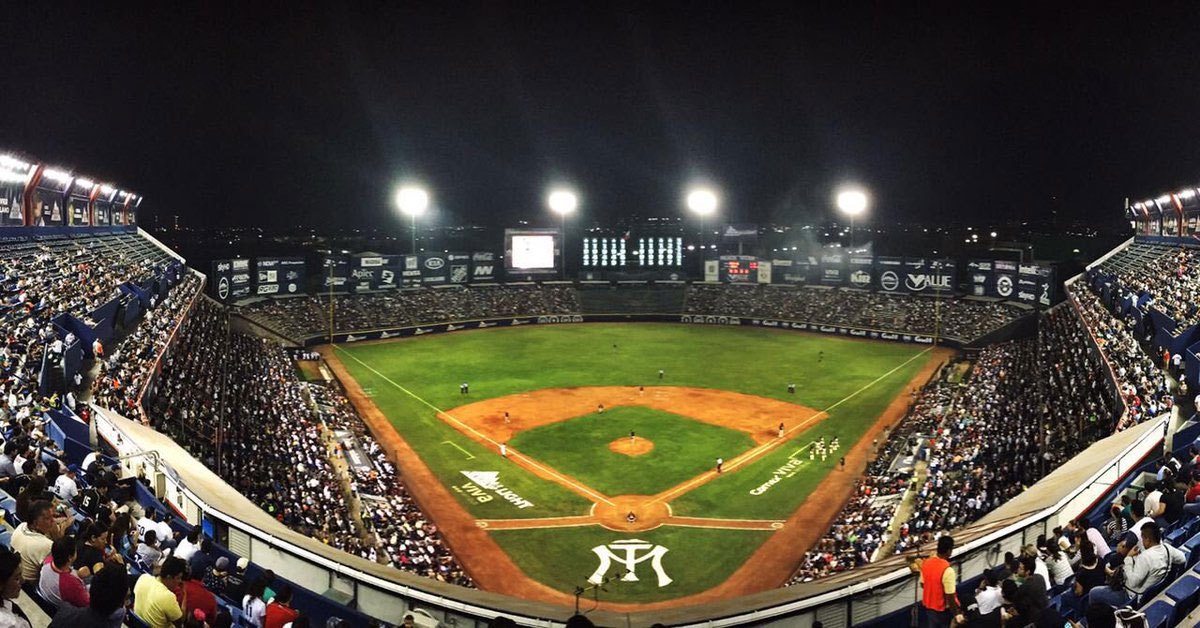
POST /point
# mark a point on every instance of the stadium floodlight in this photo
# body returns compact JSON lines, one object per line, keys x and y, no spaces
{"x":107,"y":190}
{"x":562,"y":201}
{"x":1187,"y":194}
{"x":413,"y":201}
{"x":56,"y":175}
{"x":85,"y":182}
{"x":703,"y":202}
{"x":852,"y":202}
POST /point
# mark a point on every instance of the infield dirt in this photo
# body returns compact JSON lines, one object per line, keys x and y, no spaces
{"x":493,"y":570}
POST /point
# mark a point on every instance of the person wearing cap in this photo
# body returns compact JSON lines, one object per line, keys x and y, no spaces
{"x":938,"y":580}
{"x":235,"y":583}
{"x":217,"y":575}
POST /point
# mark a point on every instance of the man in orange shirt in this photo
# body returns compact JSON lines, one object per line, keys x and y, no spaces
{"x":280,"y":611}
{"x":939,"y":581}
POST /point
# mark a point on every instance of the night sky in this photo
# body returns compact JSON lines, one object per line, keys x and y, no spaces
{"x":311,"y":115}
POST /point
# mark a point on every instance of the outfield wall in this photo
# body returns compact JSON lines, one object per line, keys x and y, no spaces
{"x":691,"y":319}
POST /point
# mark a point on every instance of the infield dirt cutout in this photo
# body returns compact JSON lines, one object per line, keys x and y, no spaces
{"x":491,"y":567}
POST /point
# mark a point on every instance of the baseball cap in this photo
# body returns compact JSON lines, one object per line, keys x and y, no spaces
{"x":242,"y":563}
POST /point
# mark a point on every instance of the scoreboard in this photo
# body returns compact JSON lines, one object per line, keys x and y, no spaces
{"x":648,"y":252}
{"x":738,"y":269}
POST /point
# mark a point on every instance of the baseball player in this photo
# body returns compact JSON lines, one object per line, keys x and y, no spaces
{"x":720,"y":463}
{"x":503,"y":450}
{"x":781,"y":429}
{"x":507,"y":419}
{"x":632,"y":437}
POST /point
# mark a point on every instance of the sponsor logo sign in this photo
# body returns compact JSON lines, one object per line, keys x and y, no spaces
{"x":353,"y":338}
{"x":270,"y":288}
{"x":223,"y":288}
{"x":435,"y":263}
{"x":889,"y":280}
{"x":520,"y":321}
{"x":483,"y":486}
{"x":626,"y":553}
{"x":1004,"y":285}
{"x":787,"y":470}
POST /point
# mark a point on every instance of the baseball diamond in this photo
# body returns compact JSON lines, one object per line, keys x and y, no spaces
{"x":525,"y":474}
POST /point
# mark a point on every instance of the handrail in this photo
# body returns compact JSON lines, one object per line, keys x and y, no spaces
{"x":166,"y":346}
{"x":1112,"y":374}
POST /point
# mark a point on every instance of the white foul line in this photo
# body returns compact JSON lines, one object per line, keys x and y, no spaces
{"x":767,"y":446}
{"x":511,"y":452}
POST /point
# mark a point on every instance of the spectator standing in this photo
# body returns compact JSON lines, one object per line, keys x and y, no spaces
{"x":938,"y":581}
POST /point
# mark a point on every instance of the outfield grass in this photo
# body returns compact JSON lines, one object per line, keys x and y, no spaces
{"x":683,"y":448}
{"x":697,"y":558}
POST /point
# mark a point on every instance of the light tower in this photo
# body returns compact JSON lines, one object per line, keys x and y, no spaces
{"x":562,"y":202}
{"x":703,"y":202}
{"x":852,"y":202}
{"x":413,"y":201}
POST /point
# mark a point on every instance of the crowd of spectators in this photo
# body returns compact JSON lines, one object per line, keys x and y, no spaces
{"x":863,"y":525}
{"x":951,"y":317}
{"x":123,"y":372}
{"x":397,"y":532}
{"x":302,"y":317}
{"x":1144,"y":386}
{"x":1172,"y":279}
{"x":1031,"y":405}
{"x":234,"y":401}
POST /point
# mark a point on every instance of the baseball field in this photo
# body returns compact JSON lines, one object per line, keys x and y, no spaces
{"x":570,"y":460}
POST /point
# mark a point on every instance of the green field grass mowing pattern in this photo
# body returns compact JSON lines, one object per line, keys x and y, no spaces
{"x":683,"y":448}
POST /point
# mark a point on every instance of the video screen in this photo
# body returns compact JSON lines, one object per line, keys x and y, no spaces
{"x":532,"y":250}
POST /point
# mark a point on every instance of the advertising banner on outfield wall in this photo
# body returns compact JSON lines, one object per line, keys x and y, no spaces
{"x":1035,"y":284}
{"x":458,"y":267}
{"x":279,"y":275}
{"x":483,"y":266}
{"x":334,"y":273}
{"x":861,"y":269}
{"x":231,"y":279}
{"x":889,"y":273}
{"x":979,"y":276}
{"x":793,"y":271}
{"x":833,"y":268}
{"x":1004,"y":279}
{"x":435,"y":268}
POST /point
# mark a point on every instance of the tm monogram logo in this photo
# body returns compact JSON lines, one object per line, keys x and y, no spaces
{"x":630,"y":548}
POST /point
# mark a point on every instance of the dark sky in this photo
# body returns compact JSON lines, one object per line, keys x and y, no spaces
{"x":310,"y":115}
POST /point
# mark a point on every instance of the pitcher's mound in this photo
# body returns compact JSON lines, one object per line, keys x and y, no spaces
{"x":635,"y":446}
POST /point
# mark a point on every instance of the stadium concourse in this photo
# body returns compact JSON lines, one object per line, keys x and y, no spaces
{"x":233,"y":400}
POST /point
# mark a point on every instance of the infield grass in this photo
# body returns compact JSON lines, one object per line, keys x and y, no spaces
{"x":683,"y":448}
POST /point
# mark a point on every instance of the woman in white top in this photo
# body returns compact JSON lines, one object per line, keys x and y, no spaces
{"x":253,"y":606}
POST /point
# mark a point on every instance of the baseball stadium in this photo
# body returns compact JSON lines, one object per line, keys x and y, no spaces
{"x":319,"y":363}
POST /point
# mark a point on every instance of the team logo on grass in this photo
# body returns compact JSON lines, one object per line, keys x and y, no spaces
{"x":630,"y":548}
{"x":482,"y":484}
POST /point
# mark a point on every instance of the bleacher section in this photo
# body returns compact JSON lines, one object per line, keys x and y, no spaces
{"x":640,"y":299}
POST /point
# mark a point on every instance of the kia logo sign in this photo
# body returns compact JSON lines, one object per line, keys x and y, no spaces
{"x":434,"y":263}
{"x":889,"y":281}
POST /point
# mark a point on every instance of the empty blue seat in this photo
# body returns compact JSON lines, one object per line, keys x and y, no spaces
{"x":1159,"y":613}
{"x":1175,"y":537}
{"x":1183,"y":592}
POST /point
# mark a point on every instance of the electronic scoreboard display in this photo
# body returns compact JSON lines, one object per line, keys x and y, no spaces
{"x":738,"y":269}
{"x":626,"y":252}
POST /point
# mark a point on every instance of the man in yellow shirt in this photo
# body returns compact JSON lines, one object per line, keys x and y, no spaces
{"x":154,"y":598}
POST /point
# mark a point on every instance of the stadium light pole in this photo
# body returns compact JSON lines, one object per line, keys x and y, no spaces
{"x":562,"y":202}
{"x":412,"y":201}
{"x":852,"y":202}
{"x":703,"y":202}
